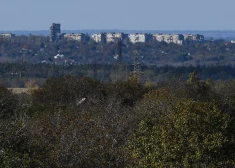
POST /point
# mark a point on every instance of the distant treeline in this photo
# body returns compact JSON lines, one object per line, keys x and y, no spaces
{"x":16,"y":74}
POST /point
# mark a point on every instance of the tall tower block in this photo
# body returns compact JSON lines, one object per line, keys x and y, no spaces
{"x":54,"y":32}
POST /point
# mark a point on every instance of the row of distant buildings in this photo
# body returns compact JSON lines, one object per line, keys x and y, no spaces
{"x":55,"y":35}
{"x":133,"y":38}
{"x":145,"y":37}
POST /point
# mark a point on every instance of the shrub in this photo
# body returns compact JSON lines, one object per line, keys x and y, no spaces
{"x":192,"y":134}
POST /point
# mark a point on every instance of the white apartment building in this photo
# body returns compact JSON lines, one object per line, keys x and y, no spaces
{"x":139,"y":38}
{"x":72,"y":36}
{"x":114,"y":37}
{"x":100,"y":37}
{"x":170,"y":38}
{"x":190,"y":37}
{"x":7,"y":35}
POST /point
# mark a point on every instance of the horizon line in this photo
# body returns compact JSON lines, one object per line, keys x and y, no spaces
{"x":128,"y":30}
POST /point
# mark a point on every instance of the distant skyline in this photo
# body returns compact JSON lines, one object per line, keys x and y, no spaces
{"x":121,"y":14}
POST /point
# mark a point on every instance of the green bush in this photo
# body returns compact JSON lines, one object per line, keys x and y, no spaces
{"x":191,"y":134}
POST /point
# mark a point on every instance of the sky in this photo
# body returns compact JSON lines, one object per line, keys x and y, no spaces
{"x":118,"y":14}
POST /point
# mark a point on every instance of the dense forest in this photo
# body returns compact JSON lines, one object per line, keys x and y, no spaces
{"x":76,"y":121}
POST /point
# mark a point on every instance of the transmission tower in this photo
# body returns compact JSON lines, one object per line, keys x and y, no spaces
{"x":136,"y":64}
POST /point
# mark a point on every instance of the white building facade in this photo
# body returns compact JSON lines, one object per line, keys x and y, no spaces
{"x":139,"y":38}
{"x":100,"y":37}
{"x":7,"y":35}
{"x":114,"y":37}
{"x":191,"y":37}
{"x":72,"y":36}
{"x":170,"y":38}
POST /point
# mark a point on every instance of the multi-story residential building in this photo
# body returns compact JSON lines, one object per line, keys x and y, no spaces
{"x":190,"y":37}
{"x":7,"y":35}
{"x":72,"y":36}
{"x":199,"y":37}
{"x":114,"y":37}
{"x":100,"y":37}
{"x":139,"y":38}
{"x":55,"y":32}
{"x":170,"y":38}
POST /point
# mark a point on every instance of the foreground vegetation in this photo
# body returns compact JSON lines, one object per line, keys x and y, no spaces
{"x":79,"y":122}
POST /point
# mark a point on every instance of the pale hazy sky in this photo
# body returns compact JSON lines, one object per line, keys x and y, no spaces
{"x":118,"y":14}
